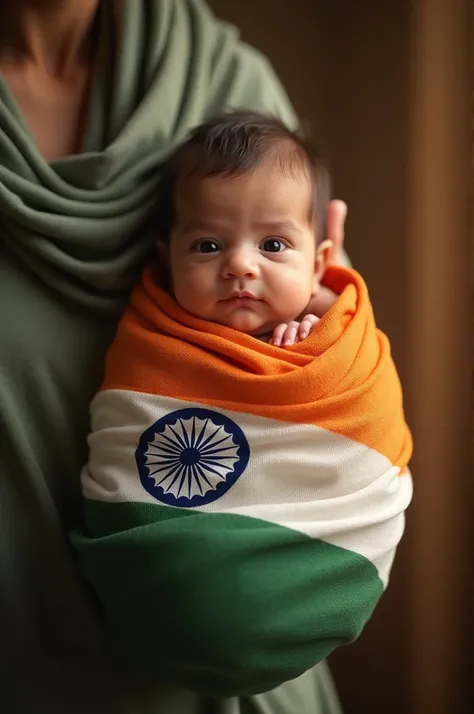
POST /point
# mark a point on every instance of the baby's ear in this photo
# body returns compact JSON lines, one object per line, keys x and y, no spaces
{"x":323,"y":255}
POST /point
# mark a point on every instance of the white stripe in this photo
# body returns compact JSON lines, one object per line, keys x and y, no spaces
{"x":299,"y":476}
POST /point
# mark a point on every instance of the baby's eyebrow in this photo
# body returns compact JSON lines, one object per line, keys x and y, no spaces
{"x":270,"y":226}
{"x":198,"y":225}
{"x":278,"y":225}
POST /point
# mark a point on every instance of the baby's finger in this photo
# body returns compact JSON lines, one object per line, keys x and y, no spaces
{"x":291,"y":334}
{"x":278,"y":333}
{"x":306,"y":325}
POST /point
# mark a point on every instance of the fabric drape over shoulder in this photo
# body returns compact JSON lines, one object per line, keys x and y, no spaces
{"x":162,"y":68}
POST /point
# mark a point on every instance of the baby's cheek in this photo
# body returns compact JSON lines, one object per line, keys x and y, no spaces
{"x":192,"y":292}
{"x":294,"y":295}
{"x":183,"y":289}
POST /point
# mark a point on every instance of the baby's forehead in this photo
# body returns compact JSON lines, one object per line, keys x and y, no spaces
{"x":264,"y":200}
{"x":268,"y":193}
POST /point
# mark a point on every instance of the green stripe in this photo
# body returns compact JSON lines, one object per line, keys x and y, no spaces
{"x":221,"y":602}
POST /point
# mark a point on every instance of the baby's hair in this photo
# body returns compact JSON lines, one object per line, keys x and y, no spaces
{"x":234,"y":143}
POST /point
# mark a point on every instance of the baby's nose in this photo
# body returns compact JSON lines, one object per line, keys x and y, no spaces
{"x":241,"y":263}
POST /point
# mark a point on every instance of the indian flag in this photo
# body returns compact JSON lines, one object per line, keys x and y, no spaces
{"x":243,"y":503}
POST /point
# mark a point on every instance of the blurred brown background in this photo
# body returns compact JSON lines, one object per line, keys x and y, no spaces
{"x":387,"y":89}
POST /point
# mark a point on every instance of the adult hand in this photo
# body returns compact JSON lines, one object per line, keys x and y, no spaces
{"x":335,"y":220}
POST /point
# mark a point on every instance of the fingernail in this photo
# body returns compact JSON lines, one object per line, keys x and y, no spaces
{"x":304,"y":335}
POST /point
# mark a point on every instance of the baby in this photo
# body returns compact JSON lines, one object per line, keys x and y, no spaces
{"x":243,"y":212}
{"x":247,"y":478}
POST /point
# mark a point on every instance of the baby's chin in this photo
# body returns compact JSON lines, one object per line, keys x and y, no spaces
{"x":249,"y":324}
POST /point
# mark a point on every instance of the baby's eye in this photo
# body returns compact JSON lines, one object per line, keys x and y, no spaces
{"x":206,"y":246}
{"x":273,"y":245}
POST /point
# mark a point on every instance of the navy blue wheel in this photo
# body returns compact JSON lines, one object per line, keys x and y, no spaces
{"x":191,"y":457}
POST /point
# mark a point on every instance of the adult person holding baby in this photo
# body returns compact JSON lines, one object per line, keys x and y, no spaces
{"x":93,"y":96}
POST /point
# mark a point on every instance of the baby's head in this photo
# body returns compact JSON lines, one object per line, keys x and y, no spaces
{"x":242,"y":214}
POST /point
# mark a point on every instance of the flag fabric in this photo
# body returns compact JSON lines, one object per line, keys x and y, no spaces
{"x":243,"y":502}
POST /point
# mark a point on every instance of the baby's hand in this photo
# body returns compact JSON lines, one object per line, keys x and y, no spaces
{"x":289,"y":333}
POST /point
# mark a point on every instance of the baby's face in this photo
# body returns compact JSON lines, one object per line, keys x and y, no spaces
{"x":243,"y":249}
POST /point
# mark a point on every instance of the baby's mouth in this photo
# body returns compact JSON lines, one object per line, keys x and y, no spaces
{"x":242,"y":295}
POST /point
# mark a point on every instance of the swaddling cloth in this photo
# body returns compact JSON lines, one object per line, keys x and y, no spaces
{"x":243,"y":502}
